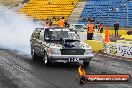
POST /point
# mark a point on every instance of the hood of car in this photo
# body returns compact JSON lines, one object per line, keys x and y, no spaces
{"x":67,"y":45}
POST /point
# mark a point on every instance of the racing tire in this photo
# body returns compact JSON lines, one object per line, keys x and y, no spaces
{"x":46,"y":60}
{"x":86,"y":63}
{"x":31,"y":49}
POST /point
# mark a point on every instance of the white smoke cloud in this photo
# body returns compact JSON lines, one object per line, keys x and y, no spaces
{"x":15,"y":31}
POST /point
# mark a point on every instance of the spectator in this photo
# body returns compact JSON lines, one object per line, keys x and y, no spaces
{"x":93,"y":19}
{"x":97,"y":25}
{"x":90,"y":29}
{"x":50,"y":22}
{"x":101,"y":26}
{"x":58,"y":18}
{"x":66,"y":24}
{"x":116,"y":28}
{"x":46,"y":23}
{"x":61,"y":22}
{"x":84,"y":19}
{"x":88,"y":19}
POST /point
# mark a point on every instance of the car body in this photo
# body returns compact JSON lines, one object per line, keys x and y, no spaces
{"x":78,"y":27}
{"x":59,"y":45}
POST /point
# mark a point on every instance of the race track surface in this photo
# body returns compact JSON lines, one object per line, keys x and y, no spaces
{"x":18,"y":71}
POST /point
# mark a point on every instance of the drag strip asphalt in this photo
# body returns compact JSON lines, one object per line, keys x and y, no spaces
{"x":19,"y":71}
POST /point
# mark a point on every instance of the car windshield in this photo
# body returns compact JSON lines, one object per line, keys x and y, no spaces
{"x":79,"y":26}
{"x":57,"y":34}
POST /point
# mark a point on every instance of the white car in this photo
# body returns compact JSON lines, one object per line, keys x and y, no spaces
{"x":78,"y":27}
{"x":59,"y":45}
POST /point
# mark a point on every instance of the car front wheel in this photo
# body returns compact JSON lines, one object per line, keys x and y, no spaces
{"x":46,"y":60}
{"x":34,"y":55}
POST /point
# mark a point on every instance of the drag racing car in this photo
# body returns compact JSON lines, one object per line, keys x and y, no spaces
{"x":59,"y":45}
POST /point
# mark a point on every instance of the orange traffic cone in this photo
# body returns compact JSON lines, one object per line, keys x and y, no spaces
{"x":107,"y":38}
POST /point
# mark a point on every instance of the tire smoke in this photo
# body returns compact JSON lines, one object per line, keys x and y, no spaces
{"x":15,"y":31}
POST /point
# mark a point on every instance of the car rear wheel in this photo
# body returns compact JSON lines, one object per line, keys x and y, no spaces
{"x":46,"y":60}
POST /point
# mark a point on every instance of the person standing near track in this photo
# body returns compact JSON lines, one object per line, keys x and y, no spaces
{"x":61,"y":22}
{"x":90,"y":29}
{"x":66,"y":24}
{"x":116,"y":28}
{"x":50,"y":22}
{"x":101,"y":26}
{"x":47,"y":23}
